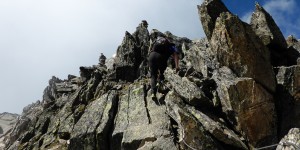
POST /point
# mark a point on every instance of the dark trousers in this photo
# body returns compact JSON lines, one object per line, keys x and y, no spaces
{"x":157,"y":64}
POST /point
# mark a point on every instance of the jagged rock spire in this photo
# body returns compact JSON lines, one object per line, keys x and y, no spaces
{"x":237,"y":47}
{"x":267,"y":30}
{"x":265,"y":27}
{"x":209,"y":11}
{"x":132,"y":52}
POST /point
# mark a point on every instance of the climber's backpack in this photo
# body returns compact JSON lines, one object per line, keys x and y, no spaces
{"x":163,"y":46}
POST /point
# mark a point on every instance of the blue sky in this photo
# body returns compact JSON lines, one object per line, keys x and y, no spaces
{"x":41,"y":38}
{"x":284,"y":12}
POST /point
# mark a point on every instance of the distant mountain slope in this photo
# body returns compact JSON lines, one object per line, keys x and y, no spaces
{"x":7,"y":120}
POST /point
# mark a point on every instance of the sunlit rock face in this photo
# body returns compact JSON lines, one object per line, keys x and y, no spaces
{"x":209,"y":11}
{"x":266,"y":29}
{"x":237,"y":46}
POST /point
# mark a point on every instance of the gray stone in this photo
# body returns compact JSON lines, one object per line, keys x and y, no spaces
{"x":208,"y":12}
{"x":158,"y":143}
{"x":126,"y":60}
{"x":110,"y":63}
{"x":140,"y":122}
{"x":293,"y":52}
{"x":266,"y":29}
{"x":23,"y":124}
{"x":98,"y":114}
{"x":86,"y":73}
{"x":64,"y":87}
{"x":200,"y":57}
{"x":50,"y":91}
{"x":132,"y":53}
{"x":289,"y":77}
{"x":288,"y":97}
{"x":190,"y":133}
{"x":218,"y":130}
{"x":188,"y":90}
{"x":291,"y":141}
{"x":237,"y":47}
{"x":142,"y":39}
{"x":244,"y":101}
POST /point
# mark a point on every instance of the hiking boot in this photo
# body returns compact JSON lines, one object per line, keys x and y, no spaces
{"x":153,"y":96}
{"x":160,"y":85}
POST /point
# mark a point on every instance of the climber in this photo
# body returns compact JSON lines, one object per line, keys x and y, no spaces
{"x":144,"y":23}
{"x":159,"y":52}
{"x":102,"y":60}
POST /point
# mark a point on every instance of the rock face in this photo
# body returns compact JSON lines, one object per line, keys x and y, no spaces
{"x":244,"y":101}
{"x":249,"y":94}
{"x":291,"y":140}
{"x":293,"y":50}
{"x":227,"y":94}
{"x":200,"y":57}
{"x":140,"y":123}
{"x":267,"y":30}
{"x":209,"y":11}
{"x":237,"y":47}
{"x":131,"y":53}
{"x":288,"y":97}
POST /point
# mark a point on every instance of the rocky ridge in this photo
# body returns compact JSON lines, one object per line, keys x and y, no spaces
{"x":234,"y":91}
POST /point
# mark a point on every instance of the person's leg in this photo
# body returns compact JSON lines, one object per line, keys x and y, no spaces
{"x":162,"y":68}
{"x":153,"y":82}
{"x":153,"y":71}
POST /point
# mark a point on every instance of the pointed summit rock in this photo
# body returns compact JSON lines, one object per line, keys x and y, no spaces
{"x":131,"y":53}
{"x":209,"y":11}
{"x":142,"y":38}
{"x":126,"y":59}
{"x":237,"y":47}
{"x":265,"y":27}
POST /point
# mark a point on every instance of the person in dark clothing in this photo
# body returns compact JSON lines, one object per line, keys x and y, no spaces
{"x":102,"y":60}
{"x":158,"y":58}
